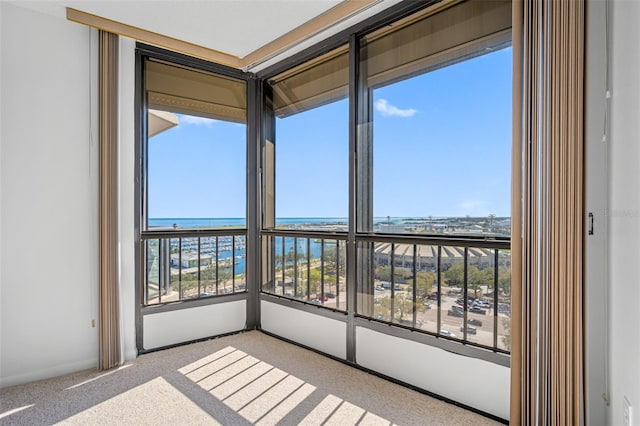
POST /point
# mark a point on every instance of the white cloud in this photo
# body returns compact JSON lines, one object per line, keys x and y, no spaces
{"x":196,"y":121}
{"x":473,"y":207}
{"x":388,"y":110}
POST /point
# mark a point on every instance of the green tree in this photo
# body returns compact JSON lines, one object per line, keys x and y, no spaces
{"x":189,"y":282}
{"x":504,"y":280}
{"x":335,"y":259}
{"x":402,"y":308}
{"x":475,"y":279}
{"x":455,"y":274}
{"x":506,"y":337}
{"x":401,"y":275}
{"x":315,"y":279}
{"x":382,"y":308}
{"x":208,"y":278}
{"x":383,"y":273}
{"x":224,"y":275}
{"x":424,"y":283}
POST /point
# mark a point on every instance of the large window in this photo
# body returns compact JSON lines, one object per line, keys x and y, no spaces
{"x":381,"y":186}
{"x":194,"y":192}
{"x":196,"y":148}
{"x":439,"y":90}
{"x":311,"y":139}
{"x":431,"y":175}
{"x":442,"y":150}
{"x":438,"y":176}
{"x":311,"y":112}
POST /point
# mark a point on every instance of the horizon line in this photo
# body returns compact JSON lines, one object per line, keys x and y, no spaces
{"x":344,"y":217}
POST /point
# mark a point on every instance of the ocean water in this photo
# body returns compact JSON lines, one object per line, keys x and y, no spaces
{"x":314,"y":247}
{"x":238,"y":222}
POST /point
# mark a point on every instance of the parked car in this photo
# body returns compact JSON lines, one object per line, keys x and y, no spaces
{"x":433,"y":296}
{"x":460,"y":301}
{"x":504,"y":309}
{"x":470,"y":330}
{"x":453,"y":313}
{"x":447,"y":333}
{"x":474,"y":321}
{"x":480,"y":303}
{"x":477,"y":310}
{"x":457,"y":308}
{"x":330,"y":295}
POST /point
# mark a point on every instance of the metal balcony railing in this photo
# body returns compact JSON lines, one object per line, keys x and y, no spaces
{"x":450,"y":287}
{"x":192,"y":264}
{"x":307,"y":266}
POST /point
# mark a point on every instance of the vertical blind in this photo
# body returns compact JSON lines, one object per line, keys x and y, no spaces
{"x":547,"y":383}
{"x":110,"y":350}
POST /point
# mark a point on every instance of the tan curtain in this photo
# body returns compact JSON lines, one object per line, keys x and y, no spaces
{"x":110,"y":352}
{"x":547,"y":367}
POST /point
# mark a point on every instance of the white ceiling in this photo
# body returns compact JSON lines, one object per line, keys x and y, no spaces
{"x":235,"y":27}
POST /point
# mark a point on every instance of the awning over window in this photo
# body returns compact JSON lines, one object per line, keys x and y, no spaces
{"x":420,"y":43}
{"x":312,"y":84}
{"x":467,"y":29}
{"x":188,"y":91}
{"x":159,"y":121}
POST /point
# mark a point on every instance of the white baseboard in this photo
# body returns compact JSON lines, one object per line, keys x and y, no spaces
{"x":47,"y":373}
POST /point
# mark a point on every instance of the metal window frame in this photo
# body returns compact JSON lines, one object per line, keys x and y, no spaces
{"x":142,"y":234}
{"x":260,"y":130}
{"x":359,"y":230}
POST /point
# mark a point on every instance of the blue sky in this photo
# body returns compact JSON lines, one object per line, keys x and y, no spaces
{"x":198,"y":169}
{"x":442,"y":147}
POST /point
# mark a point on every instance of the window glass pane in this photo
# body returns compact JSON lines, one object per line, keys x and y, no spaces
{"x":196,"y":152}
{"x":240,"y":254}
{"x":452,"y":302}
{"x":152,"y":273}
{"x":504,"y":300}
{"x":440,"y":113}
{"x":480,"y":278}
{"x":426,"y":287}
{"x":312,"y":144}
{"x":187,"y":264}
{"x":289,"y":270}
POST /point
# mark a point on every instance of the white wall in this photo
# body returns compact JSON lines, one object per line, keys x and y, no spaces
{"x":315,"y":331}
{"x":624,"y":211}
{"x":127,"y":196}
{"x":169,"y":328}
{"x":48,"y":270}
{"x":595,"y":202}
{"x":477,"y":383}
{"x":471,"y":381}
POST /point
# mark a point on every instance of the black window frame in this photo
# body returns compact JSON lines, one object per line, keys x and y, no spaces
{"x":163,"y":236}
{"x":357,"y":264}
{"x":261,"y":224}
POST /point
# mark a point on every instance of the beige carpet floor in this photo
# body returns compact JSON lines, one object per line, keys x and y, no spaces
{"x":247,"y":378}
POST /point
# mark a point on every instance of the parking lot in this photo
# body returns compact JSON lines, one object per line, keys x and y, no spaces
{"x":480,"y":324}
